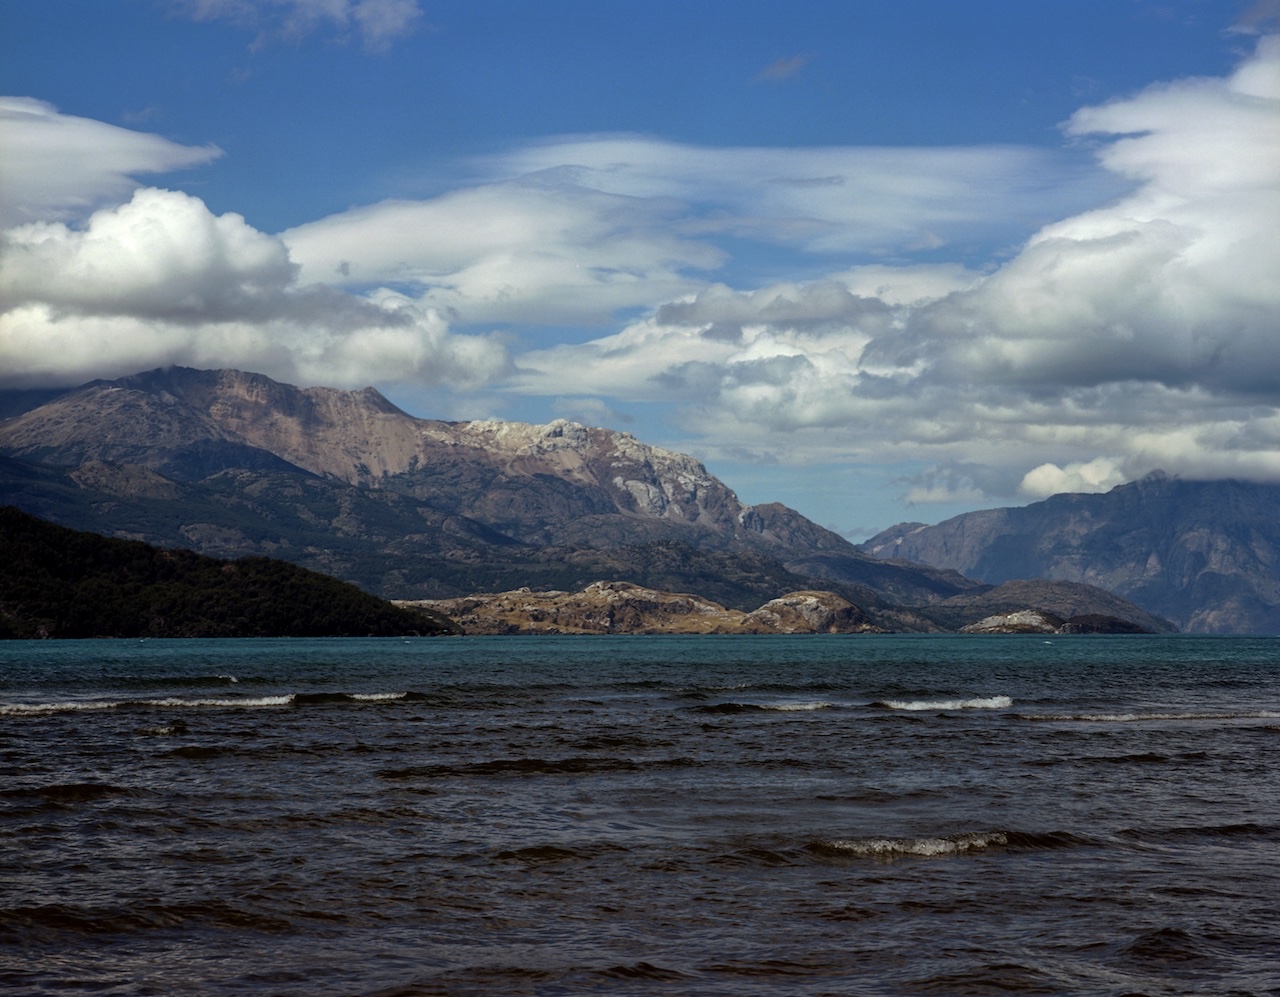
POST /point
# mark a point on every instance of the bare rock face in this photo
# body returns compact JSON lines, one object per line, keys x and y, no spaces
{"x":163,"y":419}
{"x":810,"y":613}
{"x":1023,"y":621}
{"x":621,"y":607}
{"x":1038,"y":621}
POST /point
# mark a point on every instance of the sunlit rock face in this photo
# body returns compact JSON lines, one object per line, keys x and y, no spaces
{"x":622,"y":607}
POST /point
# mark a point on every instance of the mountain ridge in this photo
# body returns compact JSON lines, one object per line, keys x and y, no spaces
{"x":232,"y":464}
{"x":1204,"y":554}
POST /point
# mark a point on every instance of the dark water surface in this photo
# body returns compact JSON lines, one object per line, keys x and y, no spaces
{"x":641,"y":815}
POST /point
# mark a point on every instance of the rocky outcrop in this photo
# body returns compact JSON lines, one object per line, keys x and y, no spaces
{"x":1022,"y":621}
{"x":1037,"y":621}
{"x":622,"y":607}
{"x":1204,"y":554}
{"x":809,"y":612}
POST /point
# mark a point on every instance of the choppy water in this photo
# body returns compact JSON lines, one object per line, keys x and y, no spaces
{"x":705,"y":815}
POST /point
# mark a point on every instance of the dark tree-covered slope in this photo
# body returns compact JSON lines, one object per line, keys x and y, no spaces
{"x":58,"y":582}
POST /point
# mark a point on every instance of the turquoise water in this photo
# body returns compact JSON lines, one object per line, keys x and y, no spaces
{"x":700,"y":815}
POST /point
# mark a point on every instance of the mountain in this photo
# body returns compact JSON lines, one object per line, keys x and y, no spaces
{"x":233,"y":464}
{"x":1204,"y":554}
{"x":65,"y":583}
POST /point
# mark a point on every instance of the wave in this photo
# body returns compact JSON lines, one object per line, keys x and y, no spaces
{"x":1133,"y":758}
{"x":1125,"y":718}
{"x":954,"y":844}
{"x":981,"y":703}
{"x":35,"y":921}
{"x":69,"y":792}
{"x":779,"y":707}
{"x":181,"y":702}
{"x":1247,"y":831}
{"x":519,"y":767}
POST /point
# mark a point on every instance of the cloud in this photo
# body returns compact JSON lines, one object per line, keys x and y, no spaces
{"x":855,"y":199}
{"x":530,"y":250}
{"x":1141,"y":334}
{"x":1098,"y":475}
{"x":56,"y":166}
{"x":590,"y":411}
{"x":378,"y":23}
{"x":576,"y":230}
{"x":160,"y":279}
{"x":160,"y":255}
{"x":1258,"y":18}
{"x":782,"y":69}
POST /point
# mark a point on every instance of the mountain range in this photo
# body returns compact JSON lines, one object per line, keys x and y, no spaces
{"x":1204,"y":554}
{"x":231,"y":463}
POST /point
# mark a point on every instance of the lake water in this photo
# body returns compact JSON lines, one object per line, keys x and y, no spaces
{"x":641,"y":815}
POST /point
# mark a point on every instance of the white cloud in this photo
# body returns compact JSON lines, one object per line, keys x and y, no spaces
{"x":575,"y":230}
{"x":378,"y":23}
{"x":56,"y":166}
{"x":160,"y":279}
{"x":878,"y":200}
{"x":1147,"y":330}
{"x":1098,"y":475}
{"x":526,"y":251}
{"x":160,"y":255}
{"x":590,"y":411}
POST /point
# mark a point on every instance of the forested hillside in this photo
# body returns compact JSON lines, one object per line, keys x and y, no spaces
{"x":57,"y":582}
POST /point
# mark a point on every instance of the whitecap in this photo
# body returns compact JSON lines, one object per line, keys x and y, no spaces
{"x":926,"y":847}
{"x":797,"y":707}
{"x":90,"y":705}
{"x":1125,"y":718}
{"x":987,"y":703}
{"x":36,"y":709}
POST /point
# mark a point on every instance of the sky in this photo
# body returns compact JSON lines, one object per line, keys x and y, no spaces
{"x":881,"y":261}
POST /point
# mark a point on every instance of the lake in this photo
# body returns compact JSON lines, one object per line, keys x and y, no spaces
{"x":875,"y":815}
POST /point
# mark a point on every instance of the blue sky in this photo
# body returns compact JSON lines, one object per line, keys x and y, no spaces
{"x":877,"y":260}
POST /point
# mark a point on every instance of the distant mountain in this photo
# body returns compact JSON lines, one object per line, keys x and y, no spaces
{"x":230,"y":463}
{"x":1204,"y":554}
{"x":65,"y":583}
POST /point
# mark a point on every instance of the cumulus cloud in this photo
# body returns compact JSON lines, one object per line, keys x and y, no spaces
{"x":1098,"y":475}
{"x":161,"y":279}
{"x":377,"y":23}
{"x":55,"y":166}
{"x":1138,"y":335}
